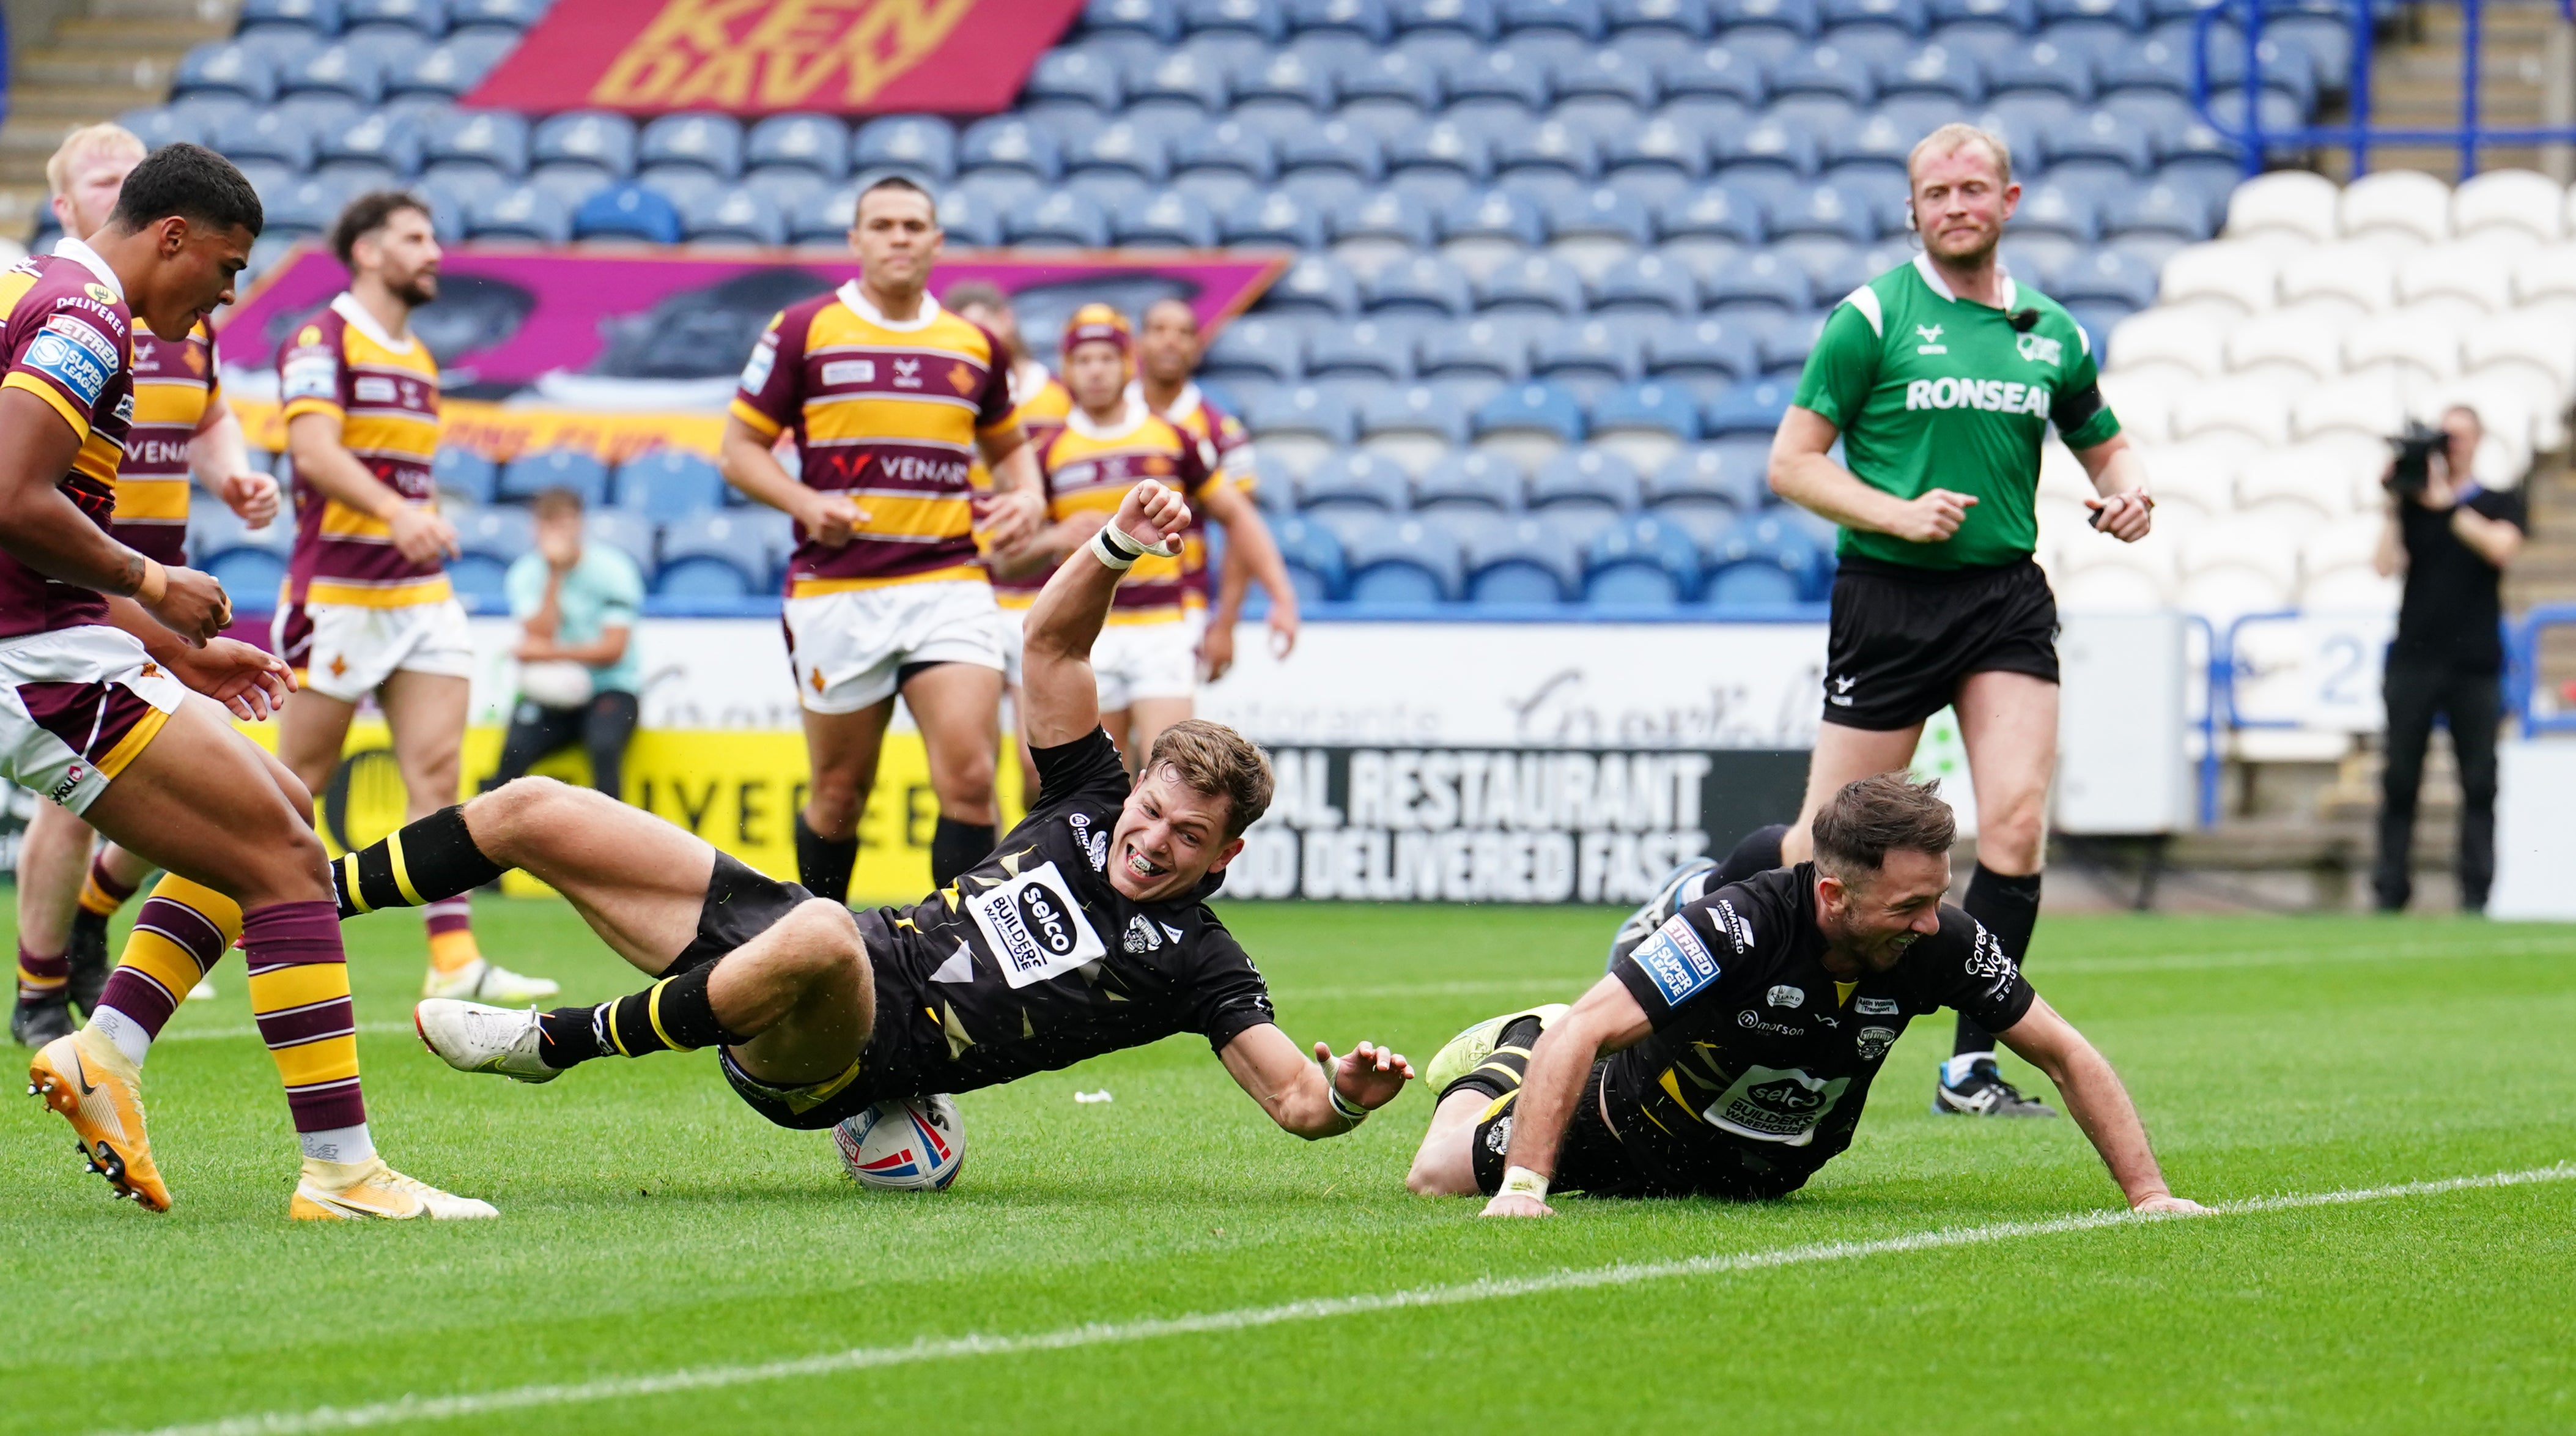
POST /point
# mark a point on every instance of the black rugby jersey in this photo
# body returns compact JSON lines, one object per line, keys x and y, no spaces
{"x":1756,"y":1048}
{"x":1034,"y":961}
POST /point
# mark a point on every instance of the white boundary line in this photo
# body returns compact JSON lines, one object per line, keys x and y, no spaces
{"x":518,"y":1398}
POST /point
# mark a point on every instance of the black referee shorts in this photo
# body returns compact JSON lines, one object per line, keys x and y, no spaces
{"x":1902,"y":639}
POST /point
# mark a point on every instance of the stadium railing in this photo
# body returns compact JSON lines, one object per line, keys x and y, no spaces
{"x":2522,"y":677}
{"x":2255,"y":140}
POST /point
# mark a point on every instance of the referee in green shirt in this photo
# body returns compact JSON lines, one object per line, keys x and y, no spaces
{"x":1941,"y":377}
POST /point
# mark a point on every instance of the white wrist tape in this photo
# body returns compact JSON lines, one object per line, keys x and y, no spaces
{"x":1351,"y":1112}
{"x":1114,"y":550}
{"x":1522,"y":1182}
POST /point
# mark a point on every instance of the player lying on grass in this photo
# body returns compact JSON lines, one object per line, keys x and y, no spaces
{"x":1083,"y":933}
{"x":1730,"y":1049}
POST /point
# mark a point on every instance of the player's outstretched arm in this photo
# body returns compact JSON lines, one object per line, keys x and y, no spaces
{"x":1315,"y":1098}
{"x":2124,"y":511}
{"x":2097,"y":1101}
{"x":1803,"y":471}
{"x":1063,"y":698}
{"x":1606,"y":1019}
{"x":45,"y":530}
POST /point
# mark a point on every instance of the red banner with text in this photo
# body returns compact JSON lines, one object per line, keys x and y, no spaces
{"x":758,"y":57}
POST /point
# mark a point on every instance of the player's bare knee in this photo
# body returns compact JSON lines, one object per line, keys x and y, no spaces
{"x":503,"y":820}
{"x":821,"y":942}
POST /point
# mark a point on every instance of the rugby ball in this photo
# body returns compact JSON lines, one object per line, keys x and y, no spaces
{"x":912,"y":1144}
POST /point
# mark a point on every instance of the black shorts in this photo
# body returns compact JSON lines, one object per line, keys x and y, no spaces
{"x":876,"y":1072}
{"x":1652,"y":1153}
{"x":1902,"y":639}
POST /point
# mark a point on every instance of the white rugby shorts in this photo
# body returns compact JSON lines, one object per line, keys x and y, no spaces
{"x":347,"y":650}
{"x":1147,"y":660}
{"x":81,"y":704}
{"x":1011,"y":626}
{"x":849,"y":649}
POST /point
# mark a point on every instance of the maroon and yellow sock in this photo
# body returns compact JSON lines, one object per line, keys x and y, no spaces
{"x":299,"y":995}
{"x":102,"y":893}
{"x":450,"y":922}
{"x":42,"y":979}
{"x":178,"y":937}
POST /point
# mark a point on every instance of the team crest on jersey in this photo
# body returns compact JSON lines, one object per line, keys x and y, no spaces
{"x":961,"y":378}
{"x":2040,"y":349}
{"x":1786,"y":996}
{"x":1874,"y":1042}
{"x":1141,"y":936}
{"x":99,"y":292}
{"x":907,"y":373}
{"x":1931,"y":344}
{"x":1095,"y":846}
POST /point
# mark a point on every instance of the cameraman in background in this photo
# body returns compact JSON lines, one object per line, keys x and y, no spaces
{"x":2452,"y":539}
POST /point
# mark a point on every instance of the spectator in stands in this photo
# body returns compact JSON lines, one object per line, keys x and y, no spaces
{"x":576,"y":605}
{"x":2453,"y":540}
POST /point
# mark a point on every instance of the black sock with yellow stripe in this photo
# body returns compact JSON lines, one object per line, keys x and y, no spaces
{"x":426,"y":862}
{"x":1502,"y":1073}
{"x":673,"y":1015}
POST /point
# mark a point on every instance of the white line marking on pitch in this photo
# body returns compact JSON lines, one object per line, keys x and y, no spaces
{"x":517,"y":1398}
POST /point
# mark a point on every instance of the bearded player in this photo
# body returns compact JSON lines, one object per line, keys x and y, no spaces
{"x":1167,"y":355}
{"x":1941,"y":378}
{"x":1085,"y":932}
{"x":368,"y":610}
{"x":98,"y":647}
{"x":181,"y":429}
{"x":891,"y":400}
{"x":1729,"y":1051}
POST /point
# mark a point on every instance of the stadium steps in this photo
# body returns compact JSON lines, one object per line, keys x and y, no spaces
{"x":2415,"y":81}
{"x":2546,"y":572}
{"x":103,"y":58}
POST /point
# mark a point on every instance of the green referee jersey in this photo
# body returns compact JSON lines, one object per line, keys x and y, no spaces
{"x":1932,"y":391}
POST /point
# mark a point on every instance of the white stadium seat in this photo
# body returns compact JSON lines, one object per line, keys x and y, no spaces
{"x":2292,"y":202}
{"x":2356,"y":274}
{"x":2201,"y":474}
{"x":2253,"y":405}
{"x":2478,"y":271}
{"x":2144,"y":400}
{"x":2192,"y":340}
{"x":2519,"y":410}
{"x":2245,"y":564}
{"x":2510,"y":199}
{"x":2368,"y":406}
{"x":2061,"y":474}
{"x":2524,"y":337}
{"x":2349,"y":590}
{"x":2241,"y":275}
{"x":2345,"y":543}
{"x":2341,"y":470}
{"x":2291,"y":516}
{"x":2406,"y":206}
{"x":2223,"y":595}
{"x":2415,"y":347}
{"x":2545,"y":273}
{"x":2111,"y":589}
{"x":2302,"y":474}
{"x":2299,"y":346}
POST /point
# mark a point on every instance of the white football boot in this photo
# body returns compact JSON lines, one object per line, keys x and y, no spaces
{"x":1468,"y":1050}
{"x":370,"y":1190}
{"x":471,"y":1037}
{"x":488,"y":981}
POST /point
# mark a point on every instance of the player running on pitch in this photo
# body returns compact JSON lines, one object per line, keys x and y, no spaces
{"x":1729,"y":1051}
{"x":1085,"y":932}
{"x":1941,"y":378}
{"x":181,"y":429}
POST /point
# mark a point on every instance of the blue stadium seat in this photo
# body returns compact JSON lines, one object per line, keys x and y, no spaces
{"x":709,"y":142}
{"x":1122,"y":148}
{"x":1057,"y":219}
{"x":1659,"y":21}
{"x":1602,"y":74}
{"x":1589,"y":357}
{"x":339,"y":70}
{"x":305,"y":208}
{"x":1313,"y":555}
{"x":531,"y":474}
{"x":1936,"y":70}
{"x":1708,"y":226}
{"x":1770,"y":156}
{"x":1409,"y":561}
{"x":2127,"y":15}
{"x":1382,"y":229}
{"x":1829,"y":210}
{"x":1259,"y":346}
{"x":668,"y":485}
{"x":2151,"y":64}
{"x":1445,"y":149}
{"x":1728,"y":476}
{"x":1523,"y":561}
{"x":1642,"y":562}
{"x":1763,"y":560}
{"x":495,"y":139}
{"x":285,"y":48}
{"x":449,"y":70}
{"x":2043,"y":66}
{"x":254,"y":575}
{"x":1706,"y":356}
{"x":597,"y":138}
{"x":501,"y":532}
{"x":1316,"y":284}
{"x":2048,"y":208}
{"x":1473,"y":18}
{"x":522,"y":212}
{"x":384,"y":140}
{"x":1547,"y":158}
{"x":1899,"y":20}
{"x":463,"y":472}
{"x":1721,"y":71}
{"x":1334,"y":146}
{"x":1646,"y":408}
{"x":1828,"y":69}
{"x":499,"y":16}
{"x":913,"y":144}
{"x":2105,"y":276}
{"x":322,"y":17}
{"x":737,"y":216}
{"x":1157,"y":19}
{"x":1076,"y":76}
{"x":1764,"y":281}
{"x":1357,"y":479}
{"x":627,"y":211}
{"x":1369,"y":20}
{"x":1468,"y":481}
{"x":1273,"y":219}
{"x":786,"y":188}
{"x":1393,"y":78}
{"x":2178,"y":210}
{"x":164,"y":125}
{"x":2020,"y":16}
{"x":1747,"y":409}
{"x":1579,"y":20}
{"x":1535,"y":282}
{"x":1533,"y":408}
{"x":717,"y":556}
{"x":1788,"y":19}
{"x":1498,"y":75}
{"x":2099,"y":135}
{"x":1785,"y":346}
{"x":426,"y":17}
{"x":818,"y":143}
{"x":1646,"y":283}
{"x":629,"y":533}
{"x":1306,"y":410}
{"x":1379,"y":349}
{"x":1287,"y":82}
{"x":230,"y":69}
{"x":1006,"y":142}
{"x":1588,"y":477}
{"x":266,"y":135}
{"x":1424,"y":282}
{"x":1190,"y":84}
{"x":1492,"y":345}
{"x":1599,"y":227}
{"x":1168,"y":219}
{"x":1253,"y":17}
{"x":1413,"y":425}
{"x":1230,"y":147}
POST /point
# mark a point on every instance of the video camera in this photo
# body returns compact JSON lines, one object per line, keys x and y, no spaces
{"x":2413,"y":469}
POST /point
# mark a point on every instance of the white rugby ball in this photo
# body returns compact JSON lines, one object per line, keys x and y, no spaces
{"x":912,"y":1144}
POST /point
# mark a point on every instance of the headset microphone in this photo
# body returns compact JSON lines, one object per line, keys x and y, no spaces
{"x":2023,"y":320}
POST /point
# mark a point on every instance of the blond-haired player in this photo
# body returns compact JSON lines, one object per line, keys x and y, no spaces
{"x":181,"y":430}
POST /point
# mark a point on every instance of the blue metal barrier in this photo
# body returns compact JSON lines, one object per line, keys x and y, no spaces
{"x":2522,"y":674}
{"x":2357,"y":133}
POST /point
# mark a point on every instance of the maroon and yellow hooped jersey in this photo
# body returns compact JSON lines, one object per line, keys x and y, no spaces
{"x":174,"y":385}
{"x":1039,"y":404}
{"x":890,"y":413}
{"x":1228,"y":445}
{"x":385,"y":393}
{"x":1092,"y":466}
{"x":65,"y":337}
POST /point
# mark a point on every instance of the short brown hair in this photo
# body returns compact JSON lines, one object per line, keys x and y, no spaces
{"x":1214,"y":759}
{"x":555,"y":504}
{"x":365,"y":215}
{"x":974,"y":291}
{"x":1872,"y":817}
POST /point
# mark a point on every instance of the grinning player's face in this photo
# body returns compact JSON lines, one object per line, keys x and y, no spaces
{"x":1169,"y":836}
{"x":84,"y":205}
{"x":191,"y":277}
{"x":1168,"y":347}
{"x":1961,"y":203}
{"x":403,"y":256}
{"x":1095,"y":373}
{"x":896,"y":237}
{"x":1875,"y":919}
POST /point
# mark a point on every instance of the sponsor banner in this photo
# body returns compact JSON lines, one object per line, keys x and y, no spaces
{"x":757,"y":57}
{"x":502,"y":432}
{"x":667,"y":331}
{"x":1517,"y":825}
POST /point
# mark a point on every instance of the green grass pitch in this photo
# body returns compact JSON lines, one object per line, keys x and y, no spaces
{"x":652,"y":1225}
